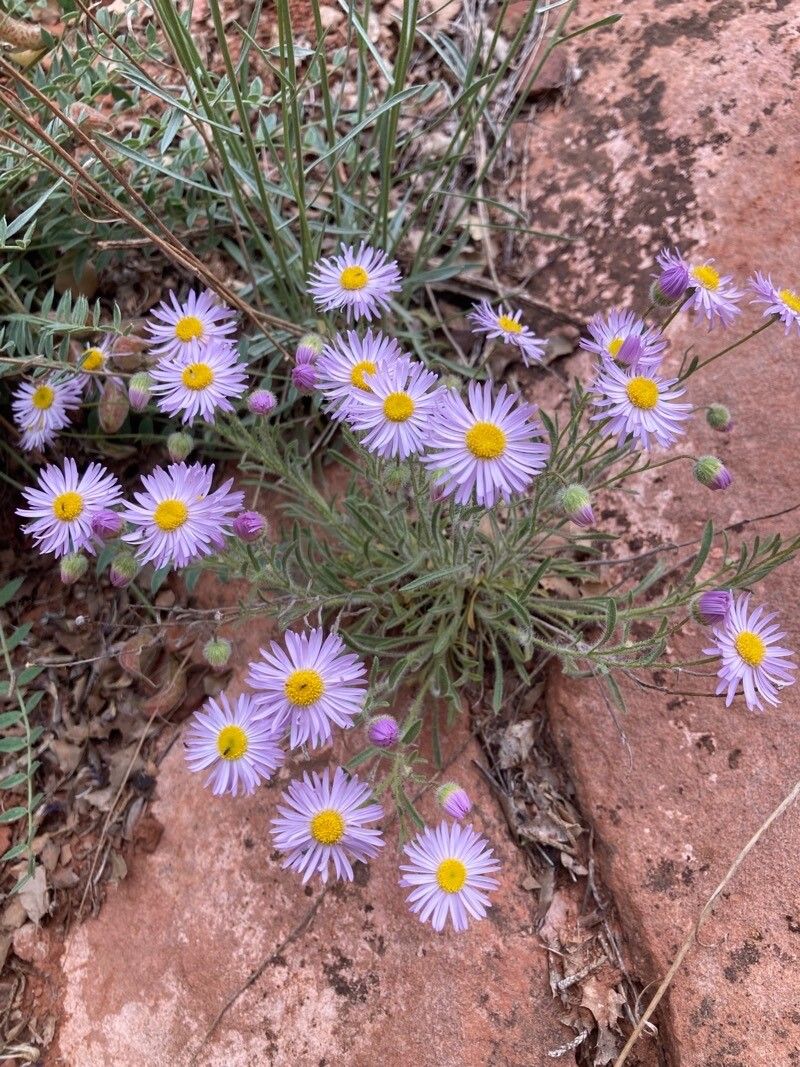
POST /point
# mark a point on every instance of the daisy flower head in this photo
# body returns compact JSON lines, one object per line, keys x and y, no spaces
{"x":63,"y":503}
{"x":449,"y":875}
{"x":311,"y":684}
{"x":230,"y":741}
{"x":187,"y":328}
{"x":487,"y":447}
{"x":94,"y":361}
{"x":625,"y":338}
{"x":358,"y":281}
{"x":640,"y":406}
{"x":323,"y":821}
{"x":394,"y":413}
{"x":41,"y":408}
{"x":199,"y":385}
{"x":505,"y":324}
{"x":178,"y":519}
{"x":782,"y":302}
{"x":347,"y":365}
{"x":749,"y":644}
{"x":712,"y":296}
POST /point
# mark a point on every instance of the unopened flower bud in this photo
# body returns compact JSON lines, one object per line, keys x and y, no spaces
{"x":106,"y":524}
{"x":179,"y":445}
{"x":304,"y":377}
{"x":712,"y":472}
{"x":397,"y":476}
{"x":139,"y":389}
{"x":719,"y":418}
{"x":249,"y":526}
{"x":712,"y":606}
{"x":73,"y":567}
{"x":454,"y":800}
{"x":576,"y":503}
{"x":261,"y":401}
{"x":113,"y":407}
{"x":123,"y":570}
{"x":308,"y":348}
{"x":383,"y":731}
{"x":217,"y":652}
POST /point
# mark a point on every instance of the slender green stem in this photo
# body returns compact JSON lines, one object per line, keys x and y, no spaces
{"x":753,"y":333}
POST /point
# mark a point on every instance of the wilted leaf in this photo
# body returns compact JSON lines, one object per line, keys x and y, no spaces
{"x":33,"y":896}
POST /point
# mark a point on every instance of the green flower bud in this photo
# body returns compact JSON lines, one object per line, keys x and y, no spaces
{"x":217,"y":652}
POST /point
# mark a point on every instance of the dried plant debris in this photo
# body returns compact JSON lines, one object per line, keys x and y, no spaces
{"x":116,"y":684}
{"x":574,"y":916}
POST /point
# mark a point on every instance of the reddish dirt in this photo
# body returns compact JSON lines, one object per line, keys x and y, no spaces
{"x":685,"y":125}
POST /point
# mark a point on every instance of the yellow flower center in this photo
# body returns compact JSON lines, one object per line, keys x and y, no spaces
{"x":353,"y":278}
{"x":170,"y":515}
{"x":485,"y":440}
{"x":614,"y":345}
{"x":366,"y":366}
{"x":189,"y":328}
{"x":304,"y":687}
{"x":451,"y":875}
{"x":751,"y":648}
{"x":642,"y":393}
{"x":197,"y":376}
{"x":43,"y":397}
{"x":232,"y":742}
{"x":92,"y":359}
{"x":327,"y":827}
{"x":505,"y":322}
{"x":397,"y":407}
{"x":68,"y":506}
{"x":790,"y":299}
{"x":707,"y":276}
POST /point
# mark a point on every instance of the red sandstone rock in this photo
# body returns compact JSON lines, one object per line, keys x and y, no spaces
{"x":694,"y":134}
{"x":344,"y":976}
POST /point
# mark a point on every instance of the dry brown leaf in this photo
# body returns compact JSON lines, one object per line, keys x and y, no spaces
{"x":33,"y":895}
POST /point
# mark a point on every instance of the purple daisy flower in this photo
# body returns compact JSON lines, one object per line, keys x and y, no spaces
{"x":186,"y":329}
{"x":624,"y":337}
{"x":178,"y":519}
{"x":752,"y":656}
{"x":63,"y":504}
{"x":199,"y":386}
{"x":360,"y":282}
{"x":640,"y":406}
{"x":506,"y":325}
{"x":347,"y":364}
{"x":240,"y":748}
{"x":314,"y":682}
{"x":486,"y":446}
{"x":673,"y":279}
{"x":94,"y":362}
{"x":713,"y":606}
{"x":394,"y":413}
{"x":713,"y":296}
{"x":322,"y":822}
{"x":450,"y":873}
{"x":41,"y":408}
{"x":782,"y":302}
